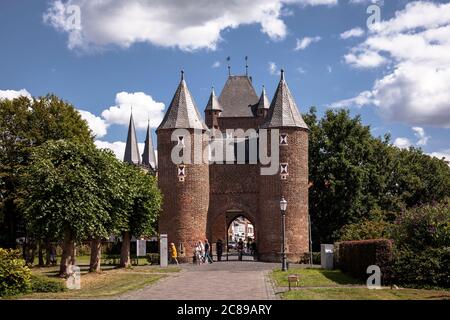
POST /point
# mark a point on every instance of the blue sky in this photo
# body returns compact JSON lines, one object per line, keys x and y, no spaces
{"x":394,"y":76}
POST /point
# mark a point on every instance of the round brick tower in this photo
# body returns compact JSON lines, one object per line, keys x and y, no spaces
{"x":290,"y":182}
{"x":185,"y":185}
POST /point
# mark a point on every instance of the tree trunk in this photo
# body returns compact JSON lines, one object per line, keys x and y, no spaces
{"x":68,"y":253}
{"x":125,"y":260}
{"x":96,"y":252}
{"x":41,"y":253}
{"x":48,"y":252}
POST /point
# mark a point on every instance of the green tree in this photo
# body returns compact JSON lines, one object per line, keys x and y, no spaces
{"x":69,"y":186}
{"x":355,"y":175}
{"x":138,"y":210}
{"x":25,"y":124}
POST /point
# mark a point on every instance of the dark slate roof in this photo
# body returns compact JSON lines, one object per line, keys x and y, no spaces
{"x":236,"y":97}
{"x":213,"y":102}
{"x":148,"y":157}
{"x":182,"y":112}
{"x":263,"y":102}
{"x":283,"y":110}
{"x":131,"y":148}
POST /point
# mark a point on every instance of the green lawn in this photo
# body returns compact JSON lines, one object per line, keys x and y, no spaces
{"x":106,"y":284}
{"x":319,"y":284}
{"x":101,"y":285}
{"x":349,"y":293}
{"x":314,"y":277}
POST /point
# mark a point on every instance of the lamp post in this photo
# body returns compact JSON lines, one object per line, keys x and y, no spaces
{"x":283,"y":206}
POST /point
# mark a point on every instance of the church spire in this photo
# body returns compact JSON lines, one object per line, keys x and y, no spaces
{"x":148,"y":157}
{"x":131,"y":149}
{"x":182,"y":112}
{"x":283,"y":110}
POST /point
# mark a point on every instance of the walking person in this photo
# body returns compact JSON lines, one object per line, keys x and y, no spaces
{"x":173,"y":254}
{"x":219,"y":249}
{"x":198,"y":253}
{"x":240,"y":247}
{"x":253,"y":248}
{"x":208,"y":252}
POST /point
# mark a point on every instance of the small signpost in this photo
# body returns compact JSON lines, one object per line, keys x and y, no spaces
{"x":141,"y":248}
{"x":293,"y":278}
{"x":163,"y":251}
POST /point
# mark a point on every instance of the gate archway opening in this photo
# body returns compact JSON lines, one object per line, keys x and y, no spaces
{"x":241,"y":236}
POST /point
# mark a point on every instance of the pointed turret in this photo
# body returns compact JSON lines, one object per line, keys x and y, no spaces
{"x":213,"y":110}
{"x":283,"y":110}
{"x":182,"y":112}
{"x":131,"y":149}
{"x":263,"y":104}
{"x":213,"y":102}
{"x":148,"y":157}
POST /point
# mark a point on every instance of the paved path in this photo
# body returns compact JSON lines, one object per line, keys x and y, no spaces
{"x":230,"y":280}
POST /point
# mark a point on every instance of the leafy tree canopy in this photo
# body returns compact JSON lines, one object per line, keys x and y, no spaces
{"x":355,"y":175}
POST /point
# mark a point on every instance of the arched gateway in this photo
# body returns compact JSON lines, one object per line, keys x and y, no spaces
{"x":203,"y":197}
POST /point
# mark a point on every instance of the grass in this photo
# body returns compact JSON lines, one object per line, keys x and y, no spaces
{"x":320,"y":284}
{"x":102,"y":285}
{"x":314,"y":277}
{"x":109,"y":283}
{"x":364,"y":294}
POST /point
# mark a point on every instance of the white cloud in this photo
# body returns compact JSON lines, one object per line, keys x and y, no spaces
{"x":144,"y":108}
{"x":118,"y":147}
{"x":216,"y":64}
{"x":421,"y":135}
{"x":362,"y":99}
{"x":188,"y":25}
{"x":304,"y":43}
{"x":355,"y":32}
{"x":316,"y":2}
{"x":380,"y":2}
{"x":402,"y":143}
{"x":364,"y":59}
{"x":97,"y":125}
{"x":415,"y":44}
{"x":12,"y":94}
{"x":301,"y":70}
{"x":329,"y":69}
{"x":442,"y":154}
{"x":273,"y":69}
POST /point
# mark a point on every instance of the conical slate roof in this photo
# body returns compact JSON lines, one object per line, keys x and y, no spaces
{"x":236,"y":97}
{"x":182,"y":112}
{"x":213,"y":102}
{"x":131,"y":149}
{"x":148,"y":157}
{"x":283,"y":110}
{"x":263,"y":102}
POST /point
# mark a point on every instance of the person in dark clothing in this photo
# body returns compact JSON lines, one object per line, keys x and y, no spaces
{"x":240,"y":247}
{"x":253,"y":249}
{"x":208,"y":252}
{"x":219,"y":249}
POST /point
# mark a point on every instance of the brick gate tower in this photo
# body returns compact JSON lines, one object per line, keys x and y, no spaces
{"x":202,"y":200}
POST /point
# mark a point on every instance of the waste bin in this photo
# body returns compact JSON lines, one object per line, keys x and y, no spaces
{"x":326,"y":256}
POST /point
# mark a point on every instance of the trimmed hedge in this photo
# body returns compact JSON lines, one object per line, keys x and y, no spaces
{"x":14,"y":274}
{"x":46,"y":284}
{"x":353,"y":257}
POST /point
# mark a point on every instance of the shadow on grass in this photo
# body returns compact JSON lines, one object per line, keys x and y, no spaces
{"x":339,"y":277}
